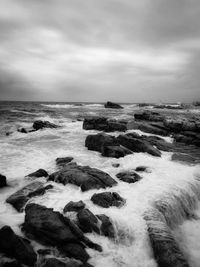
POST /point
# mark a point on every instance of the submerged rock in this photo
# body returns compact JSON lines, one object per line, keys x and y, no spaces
{"x":84,"y":176}
{"x":37,"y":125}
{"x":129,"y":177}
{"x":21,"y":197}
{"x":115,"y":165}
{"x":112,"y":105}
{"x":3,"y":181}
{"x":184,"y":158}
{"x":63,"y":161}
{"x":108,"y":199}
{"x":16,"y":247}
{"x":107,"y":228}
{"x":74,"y":206}
{"x":38,"y":173}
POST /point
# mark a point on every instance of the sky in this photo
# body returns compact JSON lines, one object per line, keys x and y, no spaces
{"x":99,"y":50}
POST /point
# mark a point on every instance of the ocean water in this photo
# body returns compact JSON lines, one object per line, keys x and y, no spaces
{"x":175,"y":184}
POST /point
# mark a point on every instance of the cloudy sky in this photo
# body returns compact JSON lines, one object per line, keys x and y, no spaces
{"x":98,"y":50}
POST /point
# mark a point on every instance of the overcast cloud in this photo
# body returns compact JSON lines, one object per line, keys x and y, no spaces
{"x":98,"y":50}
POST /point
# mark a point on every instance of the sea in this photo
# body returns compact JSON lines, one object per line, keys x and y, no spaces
{"x":21,"y":154}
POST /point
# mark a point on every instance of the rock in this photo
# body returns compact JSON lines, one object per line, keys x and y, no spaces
{"x":16,"y":247}
{"x":10,"y":263}
{"x":22,"y":130}
{"x":189,"y":138}
{"x":141,"y":169}
{"x":112,"y":105}
{"x":129,"y":177}
{"x":96,"y":142}
{"x":108,"y":199}
{"x":84,"y":176}
{"x":37,"y":125}
{"x":106,"y":228}
{"x":38,"y":173}
{"x":63,"y":161}
{"x":88,"y":222}
{"x":137,"y":145}
{"x":153,"y":129}
{"x":52,"y":228}
{"x":160,"y":143}
{"x":3,"y":181}
{"x":148,"y":116}
{"x":54,"y":262}
{"x":184,"y":158}
{"x":21,"y":197}
{"x":115,"y":151}
{"x":75,"y":250}
{"x":115,"y":165}
{"x":104,"y":124}
{"x":74,"y":206}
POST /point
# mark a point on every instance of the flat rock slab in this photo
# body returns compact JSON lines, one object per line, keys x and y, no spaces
{"x":84,"y":176}
{"x":108,"y":199}
{"x":16,"y":247}
{"x":129,"y":177}
{"x":21,"y":197}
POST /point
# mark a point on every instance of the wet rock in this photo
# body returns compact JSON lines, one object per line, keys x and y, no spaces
{"x":129,"y":177}
{"x":37,"y":125}
{"x":22,"y":130}
{"x":148,"y":116}
{"x":108,"y":199}
{"x":16,"y":247}
{"x":21,"y":197}
{"x":52,"y":228}
{"x":53,"y":262}
{"x":153,"y":129}
{"x":104,"y":124}
{"x":115,"y":165}
{"x":38,"y":173}
{"x":97,"y":142}
{"x":115,"y":151}
{"x":84,"y":176}
{"x":137,"y":145}
{"x":3,"y":181}
{"x":189,"y":138}
{"x":184,"y":158}
{"x":160,"y":143}
{"x":74,"y":206}
{"x":63,"y":161}
{"x":112,"y":105}
{"x":142,"y":169}
{"x":88,"y":222}
{"x":106,"y":228}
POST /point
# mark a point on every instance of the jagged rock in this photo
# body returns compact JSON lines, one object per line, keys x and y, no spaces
{"x":129,"y":177}
{"x":38,"y":173}
{"x":104,"y":124}
{"x":16,"y":247}
{"x":3,"y":181}
{"x":108,"y":199}
{"x":115,"y":165}
{"x":148,"y":116}
{"x":106,"y":228}
{"x":137,"y":145}
{"x":115,"y":151}
{"x":88,"y":222}
{"x":63,"y":161}
{"x":112,"y":105}
{"x":84,"y":176}
{"x":96,"y":142}
{"x":37,"y":125}
{"x":21,"y":197}
{"x":74,"y":206}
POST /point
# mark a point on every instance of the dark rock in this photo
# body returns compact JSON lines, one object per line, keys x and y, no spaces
{"x":52,"y":228}
{"x":153,"y":129}
{"x":21,"y":197}
{"x":22,"y":130}
{"x":53,"y":262}
{"x":108,"y":199}
{"x":17,"y":247}
{"x":160,"y":143}
{"x":104,"y":124}
{"x":84,"y":176}
{"x":3,"y":182}
{"x":112,"y":105}
{"x":10,"y":263}
{"x":96,"y":142}
{"x":88,"y":222}
{"x":115,"y":151}
{"x":141,"y":169}
{"x":137,"y":145}
{"x":148,"y":116}
{"x":37,"y":125}
{"x":38,"y":173}
{"x":106,"y":228}
{"x":74,"y":206}
{"x":129,"y":177}
{"x":75,"y":250}
{"x":63,"y":161}
{"x":115,"y":165}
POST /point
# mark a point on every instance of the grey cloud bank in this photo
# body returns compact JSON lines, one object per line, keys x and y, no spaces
{"x":75,"y":50}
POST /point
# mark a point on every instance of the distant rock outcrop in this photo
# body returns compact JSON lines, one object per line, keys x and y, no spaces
{"x":112,"y":105}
